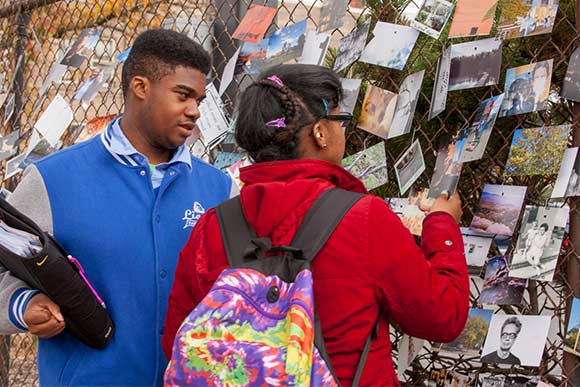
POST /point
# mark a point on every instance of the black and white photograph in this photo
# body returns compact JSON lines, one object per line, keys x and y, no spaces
{"x":515,"y":340}
{"x":475,"y":64}
{"x":13,"y":166}
{"x":393,"y":55}
{"x":315,"y":47}
{"x":9,"y":109}
{"x":538,"y":245}
{"x":409,"y":347}
{"x":441,"y":88}
{"x":511,"y":381}
{"x":98,"y":78}
{"x":432,"y":17}
{"x":471,"y":142}
{"x":571,"y":86}
{"x":568,"y":181}
{"x":8,"y":145}
{"x":409,"y":167}
{"x":476,"y":247}
{"x":406,"y":104}
{"x":350,"y":88}
{"x":332,"y":14}
{"x":351,"y":46}
{"x":527,"y":88}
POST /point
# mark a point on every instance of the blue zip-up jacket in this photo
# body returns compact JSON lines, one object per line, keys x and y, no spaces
{"x":127,"y":236}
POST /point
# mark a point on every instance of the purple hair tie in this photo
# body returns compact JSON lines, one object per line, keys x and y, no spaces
{"x":276,"y":80}
{"x":278,"y":122}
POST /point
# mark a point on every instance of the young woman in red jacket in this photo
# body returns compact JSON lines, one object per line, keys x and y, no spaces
{"x":290,"y":124}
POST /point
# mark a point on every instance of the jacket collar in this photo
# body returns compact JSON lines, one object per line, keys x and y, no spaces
{"x":301,"y":169}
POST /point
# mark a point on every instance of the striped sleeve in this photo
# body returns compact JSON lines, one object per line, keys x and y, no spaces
{"x":17,"y":307}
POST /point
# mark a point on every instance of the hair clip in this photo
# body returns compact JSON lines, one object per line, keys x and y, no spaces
{"x":276,"y":80}
{"x":326,"y":106}
{"x":278,"y":122}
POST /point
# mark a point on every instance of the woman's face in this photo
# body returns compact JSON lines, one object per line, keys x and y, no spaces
{"x":336,"y":140}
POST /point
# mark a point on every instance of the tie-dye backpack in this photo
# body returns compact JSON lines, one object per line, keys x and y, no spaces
{"x":258,"y":326}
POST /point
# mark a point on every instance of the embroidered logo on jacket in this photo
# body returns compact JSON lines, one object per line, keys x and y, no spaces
{"x":191,"y":216}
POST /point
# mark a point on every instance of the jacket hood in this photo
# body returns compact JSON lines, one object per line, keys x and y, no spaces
{"x":276,"y":194}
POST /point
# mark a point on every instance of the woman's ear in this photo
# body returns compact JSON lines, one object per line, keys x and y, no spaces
{"x":320,"y":135}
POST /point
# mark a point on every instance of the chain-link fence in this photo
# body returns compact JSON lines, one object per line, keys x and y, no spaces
{"x":36,"y":33}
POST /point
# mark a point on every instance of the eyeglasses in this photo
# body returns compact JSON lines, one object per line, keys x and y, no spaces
{"x":344,"y":118}
{"x":510,"y":335}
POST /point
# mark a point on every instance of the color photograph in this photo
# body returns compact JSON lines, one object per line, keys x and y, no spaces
{"x":332,"y":14}
{"x":286,"y":43}
{"x":410,"y":214}
{"x":98,"y":78}
{"x":537,"y":151}
{"x":94,"y":127}
{"x":571,"y":343}
{"x":406,"y":103}
{"x":538,"y":246}
{"x":80,"y":50}
{"x":394,"y":55}
{"x":351,"y":46}
{"x":252,"y":57}
{"x":521,"y":18}
{"x":470,"y":341}
{"x":472,"y":18}
{"x":255,"y":23}
{"x":475,"y":64}
{"x":409,"y":167}
{"x":432,"y":17}
{"x":571,"y":87}
{"x":8,"y":145}
{"x":498,"y":287}
{"x":377,"y":111}
{"x":471,"y":142}
{"x":499,"y":209}
{"x":527,"y":88}
{"x":369,"y":165}
{"x":476,"y":247}
{"x":516,"y":340}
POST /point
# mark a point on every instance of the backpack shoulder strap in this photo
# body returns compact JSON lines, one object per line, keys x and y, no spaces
{"x":321,"y":220}
{"x":235,"y":229}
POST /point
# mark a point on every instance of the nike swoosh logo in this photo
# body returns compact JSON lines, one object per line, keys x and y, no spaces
{"x":42,"y":262}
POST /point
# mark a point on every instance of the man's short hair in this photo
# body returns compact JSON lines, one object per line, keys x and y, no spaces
{"x":156,"y":53}
{"x":512,"y":321}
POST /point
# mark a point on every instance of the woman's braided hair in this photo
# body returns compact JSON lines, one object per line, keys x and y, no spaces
{"x":298,"y":101}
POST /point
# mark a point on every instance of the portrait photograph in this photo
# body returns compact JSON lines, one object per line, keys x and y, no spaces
{"x":76,"y":55}
{"x":526,"y":88}
{"x":432,"y":17}
{"x":571,"y":86}
{"x":568,"y":181}
{"x":499,"y":288}
{"x":499,"y":209}
{"x":394,"y":55}
{"x":377,"y":111}
{"x":369,"y":165}
{"x":470,"y":341}
{"x":406,"y":103}
{"x":472,"y":18}
{"x":409,"y":167}
{"x":521,"y":18}
{"x":447,"y":168}
{"x":538,"y":246}
{"x":472,"y":141}
{"x":515,"y":340}
{"x":351,"y":47}
{"x":475,"y":64}
{"x":537,"y":151}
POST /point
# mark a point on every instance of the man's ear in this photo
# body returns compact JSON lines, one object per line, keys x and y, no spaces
{"x":140,"y":87}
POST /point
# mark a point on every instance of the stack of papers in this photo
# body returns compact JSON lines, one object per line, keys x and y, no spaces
{"x":19,"y":242}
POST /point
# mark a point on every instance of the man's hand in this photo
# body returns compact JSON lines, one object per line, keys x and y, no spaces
{"x":444,"y":203}
{"x":43,"y":317}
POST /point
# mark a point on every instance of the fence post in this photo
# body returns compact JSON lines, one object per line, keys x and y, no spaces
{"x":571,"y":362}
{"x":22,"y":20}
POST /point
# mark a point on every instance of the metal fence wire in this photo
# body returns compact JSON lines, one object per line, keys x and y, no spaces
{"x":35,"y":34}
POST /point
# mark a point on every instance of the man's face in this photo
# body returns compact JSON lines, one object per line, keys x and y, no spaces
{"x":172,"y":107}
{"x":540,"y":81}
{"x":508,"y":337}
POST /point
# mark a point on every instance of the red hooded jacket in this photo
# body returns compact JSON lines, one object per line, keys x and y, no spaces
{"x":370,"y":265}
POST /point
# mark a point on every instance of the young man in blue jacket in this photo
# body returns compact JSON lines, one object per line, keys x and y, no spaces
{"x":124,"y":204}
